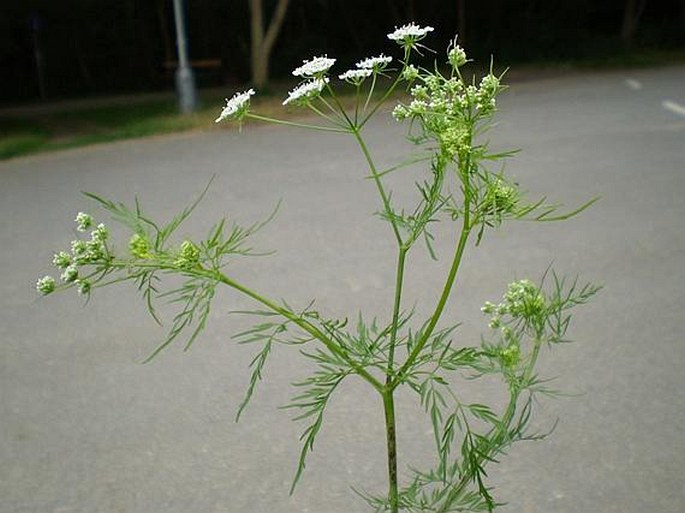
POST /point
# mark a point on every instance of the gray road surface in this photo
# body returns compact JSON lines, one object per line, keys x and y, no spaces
{"x":85,"y":428}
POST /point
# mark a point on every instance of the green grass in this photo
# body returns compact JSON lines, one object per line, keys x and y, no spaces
{"x":20,"y":137}
{"x":33,"y":132}
{"x":38,"y":130}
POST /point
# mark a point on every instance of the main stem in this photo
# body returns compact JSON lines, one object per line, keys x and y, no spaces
{"x":399,"y":280}
{"x":388,"y":391}
{"x":388,"y":397}
{"x":391,"y":439}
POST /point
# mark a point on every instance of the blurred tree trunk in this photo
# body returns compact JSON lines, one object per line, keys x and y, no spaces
{"x":261,"y":41}
{"x":631,"y":18}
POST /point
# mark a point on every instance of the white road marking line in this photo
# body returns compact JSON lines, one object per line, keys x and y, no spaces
{"x":633,"y":84}
{"x":673,"y":107}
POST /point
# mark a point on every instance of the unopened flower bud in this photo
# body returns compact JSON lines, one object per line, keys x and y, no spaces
{"x":100,"y":234}
{"x":79,"y":247}
{"x":410,"y":73}
{"x":45,"y":285}
{"x":457,"y":57}
{"x":62,"y":260}
{"x":70,"y":274}
{"x":189,"y":255}
{"x":510,"y":355}
{"x":83,"y":287}
{"x":139,"y":246}
{"x":83,"y":221}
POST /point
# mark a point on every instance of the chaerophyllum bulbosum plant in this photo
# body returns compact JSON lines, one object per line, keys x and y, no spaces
{"x":446,"y":116}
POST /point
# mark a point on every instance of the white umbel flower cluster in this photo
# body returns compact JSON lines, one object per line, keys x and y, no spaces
{"x":236,"y":106}
{"x":315,"y":67}
{"x":408,"y":34}
{"x":356,"y":76}
{"x":375,"y":63}
{"x":306,"y":91}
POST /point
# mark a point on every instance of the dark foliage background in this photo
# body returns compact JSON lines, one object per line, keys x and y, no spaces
{"x":104,"y":46}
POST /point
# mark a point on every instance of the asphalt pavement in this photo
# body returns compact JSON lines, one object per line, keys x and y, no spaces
{"x":86,"y":428}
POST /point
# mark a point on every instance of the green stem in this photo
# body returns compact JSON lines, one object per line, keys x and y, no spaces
{"x":201,"y":272}
{"x":299,"y":125}
{"x":388,"y":92}
{"x":463,"y":170}
{"x":447,"y":289}
{"x":340,"y":108}
{"x":325,"y":116}
{"x":391,"y":438}
{"x":302,"y":323}
{"x":368,"y":96}
{"x":379,"y":185}
{"x":399,"y":280}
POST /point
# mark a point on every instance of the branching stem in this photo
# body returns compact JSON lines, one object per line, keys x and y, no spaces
{"x":302,"y":323}
{"x":295,"y":124}
{"x":447,"y":289}
{"x":379,"y":185}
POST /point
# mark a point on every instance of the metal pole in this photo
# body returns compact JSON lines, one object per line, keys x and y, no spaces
{"x":185,"y":81}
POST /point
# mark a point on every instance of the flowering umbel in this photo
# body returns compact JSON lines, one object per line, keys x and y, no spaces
{"x":356,"y":76}
{"x":316,"y":67}
{"x":236,"y":107}
{"x":408,"y":35}
{"x":375,"y":63}
{"x":306,"y":91}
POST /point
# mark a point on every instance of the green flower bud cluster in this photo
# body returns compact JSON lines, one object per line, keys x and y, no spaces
{"x":523,"y":306}
{"x":500,"y":198}
{"x":457,"y":57}
{"x":522,"y":301}
{"x":82,"y":252}
{"x":455,"y":141}
{"x":447,"y":107}
{"x":487,"y":91}
{"x":139,"y":246}
{"x":83,"y":221}
{"x":410,"y":73}
{"x":189,"y":256}
{"x":510,"y":355}
{"x":46,"y":285}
